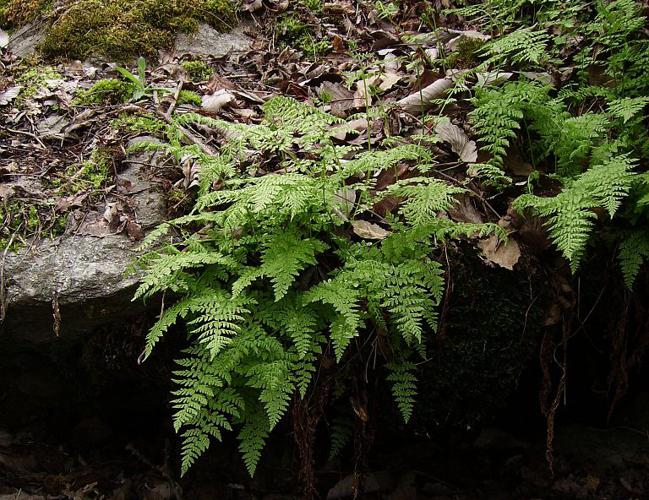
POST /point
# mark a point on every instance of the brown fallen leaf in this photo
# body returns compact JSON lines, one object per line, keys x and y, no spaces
{"x":369,"y":231}
{"x":460,"y":143}
{"x":420,"y":101}
{"x":502,"y":254}
{"x":134,"y":231}
{"x":67,"y":202}
{"x":341,"y":99}
{"x":217,"y":83}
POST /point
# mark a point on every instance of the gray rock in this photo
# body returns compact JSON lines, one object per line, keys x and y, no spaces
{"x":209,"y":42}
{"x":85,"y":274}
{"x":24,"y":41}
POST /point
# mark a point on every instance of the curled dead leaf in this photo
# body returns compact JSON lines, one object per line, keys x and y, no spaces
{"x":502,"y":254}
{"x":369,"y":231}
{"x":460,"y":143}
{"x":213,"y":103}
{"x":9,"y":95}
{"x":419,"y":101}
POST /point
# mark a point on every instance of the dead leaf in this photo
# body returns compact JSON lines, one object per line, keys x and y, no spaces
{"x":460,"y":143}
{"x":502,"y":254}
{"x":419,"y":101}
{"x":253,"y":5}
{"x":52,"y":126}
{"x":9,"y":95}
{"x":338,"y":44}
{"x":67,"y":202}
{"x":215,"y":102}
{"x":6,"y":191}
{"x":343,"y":203}
{"x":341,"y":99}
{"x":4,"y":38}
{"x":134,"y":231}
{"x":467,"y":35}
{"x":389,"y":80}
{"x":217,"y":83}
{"x":493,"y":78}
{"x":369,"y":231}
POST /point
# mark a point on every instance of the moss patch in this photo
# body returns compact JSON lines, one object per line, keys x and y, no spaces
{"x":109,"y":91}
{"x":18,"y":12}
{"x":295,"y":33}
{"x":123,"y":29}
{"x":197,"y":71}
{"x":35,"y":79}
{"x":20,"y":221}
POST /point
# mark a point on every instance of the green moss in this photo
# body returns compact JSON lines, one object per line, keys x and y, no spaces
{"x":15,"y":13}
{"x":21,"y":220}
{"x":132,"y":124}
{"x":466,"y":53}
{"x":295,"y":33}
{"x":197,"y":71}
{"x":189,"y":97}
{"x":123,"y":29}
{"x":110,"y":91}
{"x":93,"y":172}
{"x":314,"y":6}
{"x":35,"y":79}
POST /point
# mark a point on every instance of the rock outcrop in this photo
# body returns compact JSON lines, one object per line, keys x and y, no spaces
{"x":81,"y":277}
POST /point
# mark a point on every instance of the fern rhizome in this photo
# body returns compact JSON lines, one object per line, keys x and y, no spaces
{"x":290,"y":264}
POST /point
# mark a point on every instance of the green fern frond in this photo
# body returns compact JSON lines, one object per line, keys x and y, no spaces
{"x":252,"y":438}
{"x":404,"y":387}
{"x":570,"y":215}
{"x":633,"y":252}
{"x":339,"y":435}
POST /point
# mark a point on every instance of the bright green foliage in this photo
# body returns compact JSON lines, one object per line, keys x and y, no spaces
{"x":110,"y":91}
{"x":570,"y":214}
{"x":189,"y":97}
{"x":270,"y":274}
{"x":589,"y":133}
{"x":404,"y":386}
{"x":523,"y":46}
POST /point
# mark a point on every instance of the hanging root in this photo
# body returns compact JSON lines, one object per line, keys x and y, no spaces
{"x":550,"y":404}
{"x":306,"y":413}
{"x":629,"y":343}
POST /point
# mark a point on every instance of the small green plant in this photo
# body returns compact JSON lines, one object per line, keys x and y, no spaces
{"x":386,"y":10}
{"x":198,"y":71}
{"x":107,"y":91}
{"x":297,"y":34}
{"x":35,"y":79}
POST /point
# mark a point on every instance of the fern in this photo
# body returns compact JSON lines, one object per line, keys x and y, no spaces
{"x":570,"y":215}
{"x":339,"y":436}
{"x":404,"y":387}
{"x":633,"y":251}
{"x":269,"y":274}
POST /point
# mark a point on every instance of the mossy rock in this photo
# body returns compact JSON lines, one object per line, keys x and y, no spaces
{"x":19,"y":12}
{"x":118,"y":29}
{"x":490,"y":335}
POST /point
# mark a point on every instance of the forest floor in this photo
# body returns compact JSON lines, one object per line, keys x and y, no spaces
{"x":62,"y":150}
